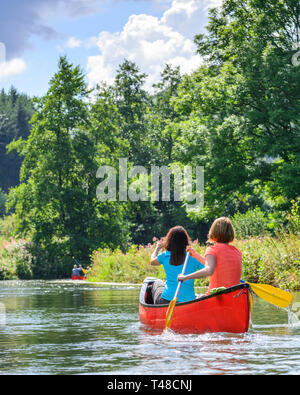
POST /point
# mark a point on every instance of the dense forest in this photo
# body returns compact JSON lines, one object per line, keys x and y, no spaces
{"x":238,"y":116}
{"x":15,"y":112}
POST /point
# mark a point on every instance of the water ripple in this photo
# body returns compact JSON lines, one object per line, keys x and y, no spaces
{"x":80,"y":328}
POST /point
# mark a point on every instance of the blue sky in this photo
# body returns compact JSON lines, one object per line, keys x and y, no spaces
{"x":97,"y":35}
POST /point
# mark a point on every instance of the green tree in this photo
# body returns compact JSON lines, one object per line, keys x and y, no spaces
{"x":166,"y":92}
{"x":108,"y":146}
{"x":15,"y":112}
{"x":165,"y":119}
{"x":209,"y":135}
{"x":251,"y":44}
{"x":56,"y":202}
{"x":131,"y":100}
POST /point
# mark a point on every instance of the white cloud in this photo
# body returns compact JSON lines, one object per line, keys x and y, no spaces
{"x":90,"y":42}
{"x":13,"y":67}
{"x":212,"y":3}
{"x":152,"y":42}
{"x":73,"y":43}
{"x":187,"y":17}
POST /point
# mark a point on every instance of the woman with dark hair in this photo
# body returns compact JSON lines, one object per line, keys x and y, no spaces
{"x":175,"y":244}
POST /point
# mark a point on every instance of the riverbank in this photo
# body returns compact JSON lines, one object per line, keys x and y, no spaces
{"x":269,"y":260}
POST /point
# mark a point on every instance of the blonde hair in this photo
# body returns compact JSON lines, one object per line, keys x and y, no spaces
{"x":221,"y":231}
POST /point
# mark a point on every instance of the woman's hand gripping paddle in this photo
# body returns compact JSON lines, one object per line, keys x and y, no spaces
{"x":170,"y":310}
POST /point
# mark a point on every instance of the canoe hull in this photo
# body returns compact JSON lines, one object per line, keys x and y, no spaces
{"x":78,"y":278}
{"x":228,"y":311}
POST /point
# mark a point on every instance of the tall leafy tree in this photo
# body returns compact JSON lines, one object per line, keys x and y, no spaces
{"x":252,"y":44}
{"x":131,"y":100}
{"x":166,"y":91}
{"x":165,"y":119}
{"x":56,"y":202}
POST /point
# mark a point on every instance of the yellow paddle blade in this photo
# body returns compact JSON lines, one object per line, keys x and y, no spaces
{"x":273,"y":295}
{"x":251,"y":303}
{"x":169,"y":313}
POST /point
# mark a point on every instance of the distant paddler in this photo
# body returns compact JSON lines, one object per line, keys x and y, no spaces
{"x":82,"y":271}
{"x":75,"y":271}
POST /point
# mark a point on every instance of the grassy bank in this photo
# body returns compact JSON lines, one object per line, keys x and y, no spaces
{"x":269,"y":260}
{"x":115,"y":266}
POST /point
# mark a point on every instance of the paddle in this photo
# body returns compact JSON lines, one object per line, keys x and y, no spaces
{"x":273,"y":295}
{"x":170,"y":310}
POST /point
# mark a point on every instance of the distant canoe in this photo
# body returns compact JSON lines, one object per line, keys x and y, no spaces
{"x":227,"y":311}
{"x":79,"y":277}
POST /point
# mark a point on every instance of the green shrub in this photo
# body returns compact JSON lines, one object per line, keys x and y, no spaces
{"x":252,"y":223}
{"x":7,"y":269}
{"x":293,"y":217}
{"x":269,"y":260}
{"x":132,"y":267}
{"x":115,"y":266}
{"x":272,"y":260}
{"x":15,"y":260}
{"x":8,"y":226}
{"x":20,"y":259}
{"x":51,"y":262}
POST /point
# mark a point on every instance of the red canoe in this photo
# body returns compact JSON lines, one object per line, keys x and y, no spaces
{"x":228,"y":311}
{"x":78,"y":278}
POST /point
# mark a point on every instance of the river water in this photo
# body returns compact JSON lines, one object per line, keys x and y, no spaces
{"x":65,"y":327}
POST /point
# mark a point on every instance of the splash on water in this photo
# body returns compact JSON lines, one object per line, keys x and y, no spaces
{"x":168,"y":333}
{"x":293,"y":320}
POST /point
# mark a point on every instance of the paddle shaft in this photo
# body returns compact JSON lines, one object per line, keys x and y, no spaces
{"x":172,"y":304}
{"x":183,"y":271}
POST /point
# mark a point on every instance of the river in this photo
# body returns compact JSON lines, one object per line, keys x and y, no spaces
{"x":65,"y":327}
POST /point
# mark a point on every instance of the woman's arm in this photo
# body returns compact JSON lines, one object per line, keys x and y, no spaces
{"x":195,"y":254}
{"x":154,"y":260}
{"x":209,"y":269}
